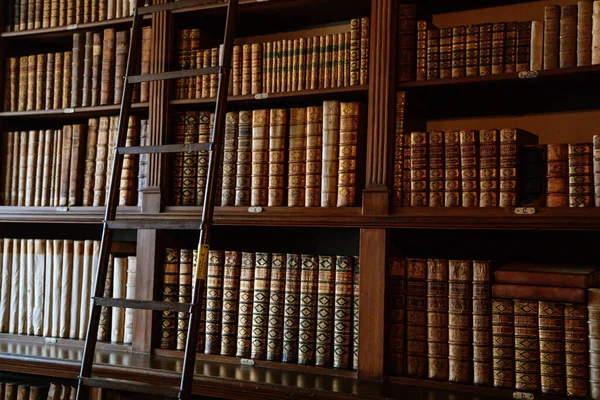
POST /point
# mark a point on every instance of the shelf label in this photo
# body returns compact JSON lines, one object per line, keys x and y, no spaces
{"x":524,"y":210}
{"x":51,"y":340}
{"x":72,"y":27}
{"x":261,"y":96}
{"x":528,"y":74}
{"x":255,"y":210}
{"x":247,"y":362}
{"x":69,"y":110}
{"x":522,"y":396}
{"x":62,"y":209}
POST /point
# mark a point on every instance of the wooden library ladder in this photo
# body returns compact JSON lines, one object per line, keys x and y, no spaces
{"x":214,"y":147}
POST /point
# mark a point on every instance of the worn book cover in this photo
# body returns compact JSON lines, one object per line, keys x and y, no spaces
{"x":437,"y":319}
{"x":214,"y":296}
{"x":260,"y":312}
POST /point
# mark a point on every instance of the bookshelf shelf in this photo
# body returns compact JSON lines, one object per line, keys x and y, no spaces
{"x":61,"y":31}
{"x":442,"y":7}
{"x":79,"y":112}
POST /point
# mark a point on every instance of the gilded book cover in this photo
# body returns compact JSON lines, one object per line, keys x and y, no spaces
{"x":503,"y":343}
{"x":308,"y":309}
{"x":557,"y":176}
{"x":552,"y":347}
{"x":244,"y":159}
{"x":185,"y":294}
{"x":419,"y":166}
{"x":355,"y":311}
{"x":314,"y":155}
{"x":231,"y":292}
{"x":342,"y":326}
{"x":433,"y":53}
{"x":437,"y":318}
{"x":276,"y":307}
{"x":170,"y":294}
{"x":331,"y":143}
{"x":482,"y":323}
{"x":416,"y":318}
{"x":260,"y":158}
{"x":260,"y":312}
{"x":325,"y":311}
{"x":278,"y":127}
{"x":297,"y":158}
{"x":527,"y":348}
{"x":291,"y":315}
{"x":246,"y":299}
{"x":436,"y":169}
{"x":214,"y":296}
{"x":576,"y":350}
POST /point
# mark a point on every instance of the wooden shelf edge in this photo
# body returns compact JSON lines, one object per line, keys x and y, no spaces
{"x":77,"y":111}
{"x":68,"y":29}
{"x":277,"y":4}
{"x":84,"y":215}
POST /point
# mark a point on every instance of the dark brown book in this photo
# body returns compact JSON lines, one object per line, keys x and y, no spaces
{"x":552,"y":347}
{"x":189,"y":160}
{"x":176,"y":170}
{"x":510,"y":47}
{"x":406,"y":175}
{"x":541,"y":293}
{"x":452,"y":171}
{"x":437,"y":319}
{"x":229,"y":159}
{"x":593,"y":307}
{"x":584,"y":32}
{"x":416,"y":318}
{"x":510,"y":141}
{"x":433,"y":53}
{"x":596,"y":169}
{"x":11,"y":390}
{"x":40,"y":83}
{"x":170,"y":294}
{"x":557,"y":175}
{"x":308,"y":309}
{"x":260,"y":312}
{"x":31,"y":82}
{"x":65,"y":165}
{"x":472,"y":51}
{"x":229,"y":314}
{"x":122,"y":45}
{"x":364,"y":50}
{"x":406,"y":44}
{"x":276,"y":307}
{"x":489,"y":164}
{"x":498,"y":40}
{"x":214,"y":297}
{"x":128,"y":181}
{"x":341,"y":306}
{"x":436,"y":169}
{"x":419,"y":167}
{"x":551,"y":36}
{"x":66,"y":79}
{"x":527,"y":350}
{"x":355,"y":311}
{"x":77,"y":73}
{"x":459,"y":320}
{"x":204,"y":131}
{"x":576,"y":350}
{"x":185,"y":295}
{"x":524,"y":46}
{"x":107,"y":82}
{"x":422,"y":27}
{"x":485,"y":49}
{"x":469,"y":166}
{"x":77,"y":165}
{"x":50,"y":65}
{"x":96,"y":69}
{"x":314,"y":155}
{"x":445,"y":53}
{"x":459,"y":38}
{"x":482,"y":323}
{"x":532,"y":181}
{"x":244,"y":159}
{"x":327,"y":285}
{"x":106,"y":312}
{"x":567,"y":56}
{"x":399,"y":148}
{"x":581,"y":193}
{"x":244,"y":325}
{"x":396,"y":307}
{"x":291,"y":315}
{"x":548,"y":275}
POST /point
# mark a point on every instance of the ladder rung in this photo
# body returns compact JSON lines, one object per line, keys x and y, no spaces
{"x":142,"y":304}
{"x":184,"y":73}
{"x":166,"y":148}
{"x":130,"y":386}
{"x":174,"y":5}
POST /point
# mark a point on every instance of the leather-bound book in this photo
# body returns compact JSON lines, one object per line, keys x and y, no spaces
{"x":66,"y":82}
{"x":416,"y":318}
{"x":118,"y":314}
{"x":510,"y":47}
{"x":489,"y":167}
{"x":303,"y":82}
{"x":185,"y":295}
{"x":23,"y":392}
{"x":229,"y":314}
{"x":37,"y":392}
{"x":129,"y":294}
{"x":8,"y":177}
{"x":596,"y":169}
{"x":510,"y":141}
{"x":55,"y":183}
{"x":86,"y":82}
{"x":548,"y":275}
{"x":106,"y":312}
{"x":236,"y":70}
{"x":537,"y":46}
{"x":12,"y":94}
{"x":503,"y":343}
{"x":189,"y":159}
{"x":23,"y":90}
{"x":437,"y":319}
{"x":30,"y":168}
{"x":452,"y":170}
{"x":538,"y":293}
{"x":308,"y":309}
{"x":552,"y":347}
{"x":183,"y":61}
{"x":551,"y":36}
{"x":214,"y":78}
{"x":595,"y":33}
{"x":331,"y":141}
{"x":459,"y":320}
{"x":145,"y":62}
{"x":77,"y":164}
{"x":260,"y":158}
{"x":49,"y":93}
{"x":445,"y":53}
{"x":40,"y":82}
{"x":47,"y":166}
{"x":77,"y":69}
{"x":436,"y":169}
{"x":532,"y":167}
{"x":214,"y":296}
{"x":229,"y":159}
{"x":260,"y":312}
{"x":355,"y":311}
{"x":568,"y":36}
{"x":498,"y":41}
{"x":297,"y":158}
{"x":122,"y":46}
{"x":312,"y":75}
{"x":584,"y":32}
{"x":351,"y":124}
{"x":340,"y":313}
{"x":244,"y":159}
{"x":527,"y":350}
{"x":459,"y":37}
{"x":170,"y":294}
{"x":593,"y":307}
{"x":291,"y":308}
{"x":576,"y":350}
{"x":364,"y":50}
{"x":267,"y":66}
{"x":469,"y":166}
{"x":407,"y":31}
{"x":54,"y":11}
{"x":327,"y":73}
{"x":143,"y":163}
{"x":58,"y":81}
{"x":21,"y":166}
{"x":112,"y":137}
{"x":327,"y":285}
{"x":11,"y":390}
{"x":355,"y":42}
{"x":207,"y":62}
{"x":65,"y":165}
{"x":276,"y":307}
{"x":485,"y":49}
{"x":107,"y":83}
{"x":204,"y":133}
{"x":338,"y":56}
{"x":314,"y":157}
{"x":246,"y":70}
{"x":419,"y":169}
{"x":176,"y":170}
{"x":422,"y":27}
{"x":101,"y":160}
{"x":524,"y":45}
{"x":31,"y":82}
{"x":472,"y":51}
{"x":96,"y":69}
{"x":482,"y":323}
{"x":406,"y":175}
{"x":277,"y":160}
{"x":192,"y":60}
{"x":433,"y":53}
{"x":399,"y":148}
{"x":557,"y":178}
{"x":581,"y":175}
{"x":244,"y":324}
{"x":256,"y":65}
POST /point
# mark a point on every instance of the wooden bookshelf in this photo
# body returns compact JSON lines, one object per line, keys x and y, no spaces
{"x":62,"y":31}
{"x":78,"y":112}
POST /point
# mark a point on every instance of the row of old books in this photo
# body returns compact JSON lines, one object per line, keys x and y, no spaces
{"x":21,"y":390}
{"x":46,"y":289}
{"x":35,"y":14}
{"x":89,"y":75}
{"x":308,"y":63}
{"x":289,"y":308}
{"x":295,"y":157}
{"x":70,"y":166}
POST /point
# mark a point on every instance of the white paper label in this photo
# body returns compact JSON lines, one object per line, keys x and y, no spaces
{"x":69,"y":110}
{"x":247,"y":362}
{"x":522,"y":396}
{"x":72,"y":26}
{"x":261,"y":96}
{"x":255,"y":210}
{"x":62,"y":209}
{"x":524,"y":210}
{"x":50,"y":340}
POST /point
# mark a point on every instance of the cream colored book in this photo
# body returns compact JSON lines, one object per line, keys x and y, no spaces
{"x":22,"y":319}
{"x":130,"y":294}
{"x":6,"y":284}
{"x":30,"y":285}
{"x":86,"y":287}
{"x":119,"y":291}
{"x":48,"y":288}
{"x":39,"y":267}
{"x":65,"y":288}
{"x":77,"y":271}
{"x":56,"y":285}
{"x":47,"y":167}
{"x":331,"y":140}
{"x":14,"y":293}
{"x":32,"y":147}
{"x":39,"y":169}
{"x":15,"y":168}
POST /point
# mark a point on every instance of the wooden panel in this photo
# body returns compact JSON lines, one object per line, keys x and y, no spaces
{"x":372,"y":301}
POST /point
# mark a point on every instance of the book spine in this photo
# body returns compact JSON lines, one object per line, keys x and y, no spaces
{"x":303,"y":46}
{"x":267,"y":67}
{"x":12,"y":95}
{"x":122,"y":46}
{"x":96,"y":69}
{"x":32,"y":150}
{"x":580,"y":175}
{"x":308,"y":309}
{"x":527,"y":350}
{"x":21,"y":168}
{"x":274,"y":338}
{"x":119,"y":288}
{"x":436,"y":169}
{"x":129,"y":294}
{"x":76,"y":69}
{"x":433,"y":53}
{"x":257,"y":65}
{"x":355,"y":311}
{"x":355,"y":53}
{"x":485,"y":49}
{"x":459,"y":37}
{"x":246,"y":299}
{"x":595,"y":33}
{"x":419,"y":167}
{"x":23,"y":79}
{"x":552,"y":347}
{"x":7,"y":175}
{"x":445,"y":53}
{"x":176,"y":171}
{"x":452,"y":171}
{"x":489,"y":167}
{"x":260,"y":312}
{"x":182,"y":57}
{"x":364,"y":50}
{"x":40,"y":82}
{"x":576,"y":350}
{"x":503,"y":343}
{"x":65,"y":165}
{"x":297,"y":158}
{"x":407,"y":31}
{"x":326,"y":289}
{"x":101,"y":160}
{"x":437,"y":319}
{"x":593,"y":307}
{"x":341,"y":297}
{"x":416,"y":318}
{"x":339,"y":59}
{"x":237,"y":70}
{"x":537,"y":46}
{"x":66,"y":81}
{"x":204,"y":132}
{"x":229,"y":314}
{"x":398,"y":148}
{"x":584,"y":32}
{"x":314,"y":156}
{"x":469,"y":168}
{"x":229,"y":159}
{"x":406,"y":175}
{"x":459,"y":320}
{"x":482,"y":323}
{"x":596,"y":164}
{"x":557,"y":190}
{"x":315,"y":72}
{"x":206,"y":63}
{"x":532,"y":165}
{"x":127,"y":187}
{"x":143,"y":161}
{"x":31,"y":82}
{"x":396,"y":305}
{"x":510,"y":47}
{"x":189,"y":160}
{"x":260,"y":158}
{"x":350,"y":124}
{"x":108,"y":66}
{"x":331,"y":140}
{"x":106,"y":313}
{"x":524,"y":45}
{"x":192,"y":57}
{"x":170,"y":294}
{"x":214,"y":296}
{"x":472,"y":51}
{"x":185,"y":295}
{"x":551,"y":36}
{"x":291,"y":314}
{"x":77,"y":164}
{"x":145,"y":63}
{"x":422,"y":50}
{"x":277,"y":160}
{"x":498,"y":41}
{"x":568,"y":37}
{"x":244,"y":159}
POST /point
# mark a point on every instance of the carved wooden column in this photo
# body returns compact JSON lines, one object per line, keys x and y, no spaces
{"x":376,"y":194}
